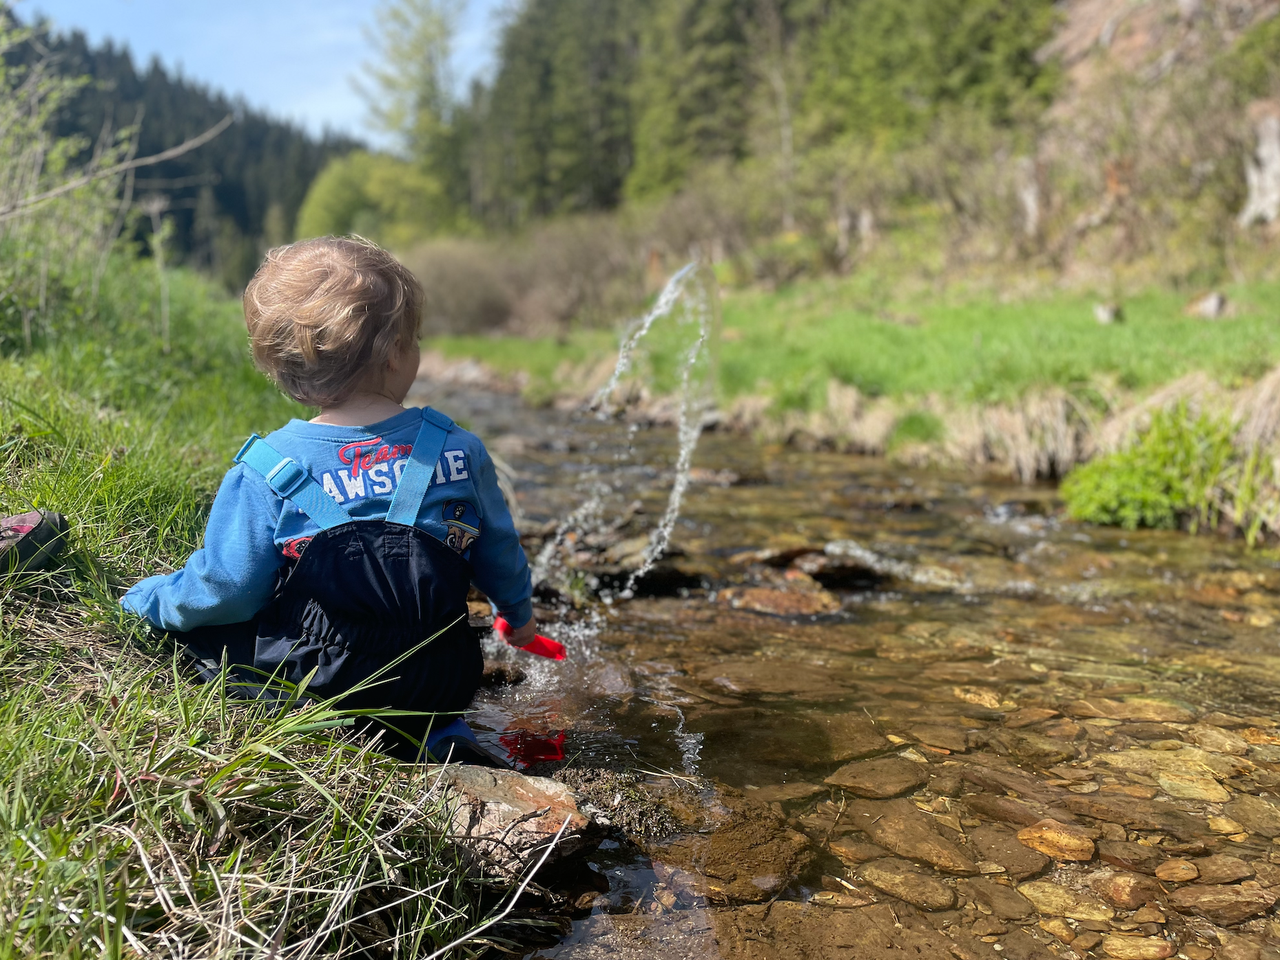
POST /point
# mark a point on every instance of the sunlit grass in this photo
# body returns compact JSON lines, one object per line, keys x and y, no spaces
{"x":139,"y":811}
{"x":891,"y":338}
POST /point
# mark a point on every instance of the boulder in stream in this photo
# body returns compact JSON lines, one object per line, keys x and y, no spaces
{"x":504,"y":821}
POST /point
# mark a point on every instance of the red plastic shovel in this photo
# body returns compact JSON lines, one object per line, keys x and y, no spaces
{"x":539,"y":646}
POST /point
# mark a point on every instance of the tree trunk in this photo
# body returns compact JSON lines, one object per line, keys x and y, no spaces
{"x":1262,"y":168}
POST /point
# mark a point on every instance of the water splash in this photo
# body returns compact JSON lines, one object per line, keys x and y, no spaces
{"x":691,"y":298}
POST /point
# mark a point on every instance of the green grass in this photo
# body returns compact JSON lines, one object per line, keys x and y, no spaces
{"x":136,"y":806}
{"x":892,"y":338}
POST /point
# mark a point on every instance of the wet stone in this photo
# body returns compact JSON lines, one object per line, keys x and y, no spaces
{"x":907,"y":882}
{"x":1222,"y":868}
{"x":855,"y":852}
{"x":1000,"y":845}
{"x":1223,"y":905}
{"x":946,"y":737}
{"x":1256,"y":814}
{"x":1031,"y":747}
{"x":1126,"y":891}
{"x":1057,"y":840}
{"x":1003,"y":809}
{"x":880,"y":779}
{"x":1003,"y":901}
{"x":946,"y":784}
{"x":1148,"y":731}
{"x":1058,"y":901}
{"x":1136,"y":814}
{"x":1138,"y":948}
{"x":1217,"y":740}
{"x":1177,"y":871}
{"x":898,"y":826}
{"x":852,"y":737}
{"x":1138,"y":857}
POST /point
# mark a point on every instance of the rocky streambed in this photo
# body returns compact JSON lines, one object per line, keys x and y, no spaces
{"x":866,"y":712}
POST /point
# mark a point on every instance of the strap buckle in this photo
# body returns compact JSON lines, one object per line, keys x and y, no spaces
{"x":287,"y":478}
{"x":244,"y":451}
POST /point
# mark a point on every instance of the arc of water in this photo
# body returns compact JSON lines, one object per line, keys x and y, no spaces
{"x":666,"y":301}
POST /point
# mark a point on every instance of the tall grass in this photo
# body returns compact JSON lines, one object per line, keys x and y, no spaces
{"x":141,"y":814}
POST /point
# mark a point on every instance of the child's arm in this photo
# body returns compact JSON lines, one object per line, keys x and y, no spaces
{"x":501,"y":568}
{"x":231,"y":578}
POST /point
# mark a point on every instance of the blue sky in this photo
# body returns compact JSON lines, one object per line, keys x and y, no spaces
{"x":294,"y":58}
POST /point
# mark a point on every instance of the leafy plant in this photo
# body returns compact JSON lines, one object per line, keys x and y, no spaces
{"x":1171,"y":476}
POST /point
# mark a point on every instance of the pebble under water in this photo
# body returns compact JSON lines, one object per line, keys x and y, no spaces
{"x":862,"y":711}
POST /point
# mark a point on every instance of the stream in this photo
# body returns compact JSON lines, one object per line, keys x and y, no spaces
{"x":864,"y":711}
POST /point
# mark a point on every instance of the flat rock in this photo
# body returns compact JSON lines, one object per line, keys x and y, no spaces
{"x":880,"y":779}
{"x":1223,"y":905}
{"x":906,"y":881}
{"x":783,"y":603}
{"x":1000,"y":845}
{"x":1031,"y":747}
{"x":855,"y":852}
{"x":748,"y":858}
{"x":503,"y":820}
{"x":1138,"y":857}
{"x":852,"y":736}
{"x":1056,"y":900}
{"x":1190,"y":787}
{"x":1138,"y":948}
{"x":1000,"y":779}
{"x":898,"y":826}
{"x":1125,"y":891}
{"x":1060,"y":841}
{"x":1217,"y":740}
{"x":937,"y":735}
{"x":1003,"y":901}
{"x":1222,"y":868}
{"x":1137,"y":814}
{"x":1003,"y":809}
{"x":1257,"y":814}
{"x":1177,"y":871}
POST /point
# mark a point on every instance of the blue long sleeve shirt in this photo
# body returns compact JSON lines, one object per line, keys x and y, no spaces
{"x":252,"y":532}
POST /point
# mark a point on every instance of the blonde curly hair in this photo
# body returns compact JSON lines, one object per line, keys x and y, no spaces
{"x":322,"y":313}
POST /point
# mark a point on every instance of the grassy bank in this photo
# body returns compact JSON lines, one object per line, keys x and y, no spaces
{"x":138,"y":811}
{"x":889,"y":337}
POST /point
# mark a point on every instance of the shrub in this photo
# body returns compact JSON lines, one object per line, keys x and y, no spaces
{"x":1173,"y":475}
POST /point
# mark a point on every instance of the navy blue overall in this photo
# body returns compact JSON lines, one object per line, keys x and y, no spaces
{"x":365,"y":594}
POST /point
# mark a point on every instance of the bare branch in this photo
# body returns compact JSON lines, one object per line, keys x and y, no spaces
{"x":18,"y":206}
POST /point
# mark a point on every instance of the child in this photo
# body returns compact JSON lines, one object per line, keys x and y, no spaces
{"x":286,"y":583}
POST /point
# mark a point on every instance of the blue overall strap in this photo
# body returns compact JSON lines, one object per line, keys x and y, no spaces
{"x":290,"y":481}
{"x":420,"y":469}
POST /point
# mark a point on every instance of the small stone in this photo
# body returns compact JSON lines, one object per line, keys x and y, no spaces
{"x":1027,"y":716}
{"x":1086,"y":941}
{"x":907,"y":882}
{"x":1225,"y":825}
{"x":988,"y":927}
{"x":853,"y":737}
{"x":1194,"y":951}
{"x":1126,"y":891}
{"x":1057,"y":840}
{"x":1223,"y":905}
{"x":1003,"y":902}
{"x":1217,"y":740}
{"x":998,"y":844}
{"x":1188,"y":787}
{"x":937,"y":735}
{"x":1059,"y":928}
{"x":1138,"y":948}
{"x":898,"y":826}
{"x":1155,"y":711}
{"x":947,"y":784}
{"x":1083,"y":788}
{"x":1059,"y":901}
{"x":1136,"y":790}
{"x":1177,"y":871}
{"x":1255,"y":814}
{"x":1130,"y":856}
{"x":880,"y":779}
{"x":1149,"y":915}
{"x":852,"y":851}
{"x":1002,"y":809}
{"x":1221,"y":868}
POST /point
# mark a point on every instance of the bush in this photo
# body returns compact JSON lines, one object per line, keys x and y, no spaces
{"x":1173,"y":475}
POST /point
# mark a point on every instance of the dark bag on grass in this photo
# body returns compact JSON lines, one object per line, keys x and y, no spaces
{"x":363,"y":594}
